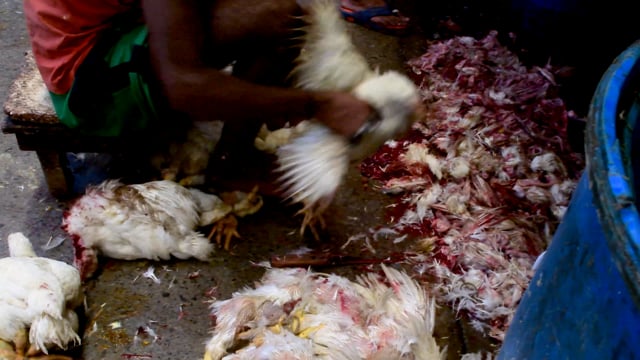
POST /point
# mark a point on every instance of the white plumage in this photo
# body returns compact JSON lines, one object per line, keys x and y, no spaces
{"x":324,"y":316}
{"x":186,"y":162}
{"x":37,"y":295}
{"x":154,"y":220}
{"x":315,"y":162}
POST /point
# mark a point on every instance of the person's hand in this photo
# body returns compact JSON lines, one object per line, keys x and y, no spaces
{"x":341,"y":112}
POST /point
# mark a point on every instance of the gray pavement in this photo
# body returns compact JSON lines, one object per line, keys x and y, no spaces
{"x":25,"y":204}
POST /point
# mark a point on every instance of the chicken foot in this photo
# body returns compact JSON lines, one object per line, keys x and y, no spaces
{"x":226,"y":228}
{"x":310,"y":221}
{"x":8,"y":352}
{"x":296,"y":325}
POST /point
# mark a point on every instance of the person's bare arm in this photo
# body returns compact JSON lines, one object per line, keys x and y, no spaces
{"x":178,"y":36}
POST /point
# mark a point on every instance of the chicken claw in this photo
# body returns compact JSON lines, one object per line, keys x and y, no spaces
{"x":226,"y":227}
{"x":7,"y":352}
{"x":311,"y":219}
{"x":243,"y":203}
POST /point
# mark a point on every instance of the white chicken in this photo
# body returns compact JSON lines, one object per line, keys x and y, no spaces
{"x":186,"y":162}
{"x":324,"y":316}
{"x":38,"y":295}
{"x":315,"y":162}
{"x":154,"y":220}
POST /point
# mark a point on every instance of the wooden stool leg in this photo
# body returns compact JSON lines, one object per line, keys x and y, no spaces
{"x":54,"y":166}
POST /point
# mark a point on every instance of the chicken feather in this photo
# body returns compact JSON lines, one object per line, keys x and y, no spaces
{"x":39,"y":294}
{"x":154,"y":220}
{"x":373,"y":317}
{"x":329,"y":60}
{"x":315,"y":161}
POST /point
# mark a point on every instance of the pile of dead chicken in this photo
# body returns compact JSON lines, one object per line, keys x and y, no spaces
{"x":484,"y":179}
{"x":299,"y":314}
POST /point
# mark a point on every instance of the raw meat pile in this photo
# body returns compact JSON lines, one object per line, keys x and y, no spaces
{"x":484,"y":179}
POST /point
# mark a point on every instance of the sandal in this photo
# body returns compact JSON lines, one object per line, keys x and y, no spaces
{"x":364,"y":17}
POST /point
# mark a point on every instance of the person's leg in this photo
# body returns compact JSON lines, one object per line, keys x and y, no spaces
{"x":262,"y":38}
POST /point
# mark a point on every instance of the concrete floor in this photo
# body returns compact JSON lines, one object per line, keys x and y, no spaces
{"x":121,"y":303}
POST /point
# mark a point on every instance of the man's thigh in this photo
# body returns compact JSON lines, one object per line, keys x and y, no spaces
{"x":256,"y":23}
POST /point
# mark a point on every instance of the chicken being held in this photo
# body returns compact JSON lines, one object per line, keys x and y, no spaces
{"x":270,"y":141}
{"x":324,"y":316}
{"x":39,"y":296}
{"x":314,"y":163}
{"x":154,"y":220}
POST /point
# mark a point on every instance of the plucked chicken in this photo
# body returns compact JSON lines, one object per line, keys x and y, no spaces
{"x":154,"y":220}
{"x":314,"y":163}
{"x":38,"y":297}
{"x":324,"y":316}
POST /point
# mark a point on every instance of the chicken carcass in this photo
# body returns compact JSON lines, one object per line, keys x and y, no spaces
{"x":314,"y":163}
{"x":154,"y":220}
{"x":324,"y":316}
{"x":186,"y":162}
{"x":38,"y":295}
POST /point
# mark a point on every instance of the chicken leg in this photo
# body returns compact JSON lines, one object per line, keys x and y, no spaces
{"x":310,"y":221}
{"x":226,"y":228}
{"x":8,"y":352}
{"x":11,"y":352}
{"x":313,"y":216}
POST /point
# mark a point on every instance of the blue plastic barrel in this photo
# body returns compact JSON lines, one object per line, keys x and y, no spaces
{"x":584,"y":300}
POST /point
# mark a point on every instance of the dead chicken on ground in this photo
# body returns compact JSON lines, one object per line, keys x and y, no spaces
{"x":186,"y":161}
{"x":38,"y":298}
{"x":299,"y":314}
{"x":314,"y":162}
{"x":153,"y":220}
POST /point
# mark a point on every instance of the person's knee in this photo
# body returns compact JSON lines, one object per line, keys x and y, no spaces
{"x":254,"y":21}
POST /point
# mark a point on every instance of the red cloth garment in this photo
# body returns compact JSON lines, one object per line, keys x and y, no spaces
{"x":63,"y":32}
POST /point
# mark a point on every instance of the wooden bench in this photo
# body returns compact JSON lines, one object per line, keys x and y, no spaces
{"x":31,"y":118}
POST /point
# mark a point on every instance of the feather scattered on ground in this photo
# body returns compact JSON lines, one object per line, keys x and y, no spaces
{"x":484,"y":179}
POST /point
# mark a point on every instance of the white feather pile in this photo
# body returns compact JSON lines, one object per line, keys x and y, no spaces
{"x":324,"y":316}
{"x":39,"y":295}
{"x":486,"y":176}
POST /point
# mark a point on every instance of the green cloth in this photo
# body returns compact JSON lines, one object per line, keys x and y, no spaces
{"x":128,"y":109}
